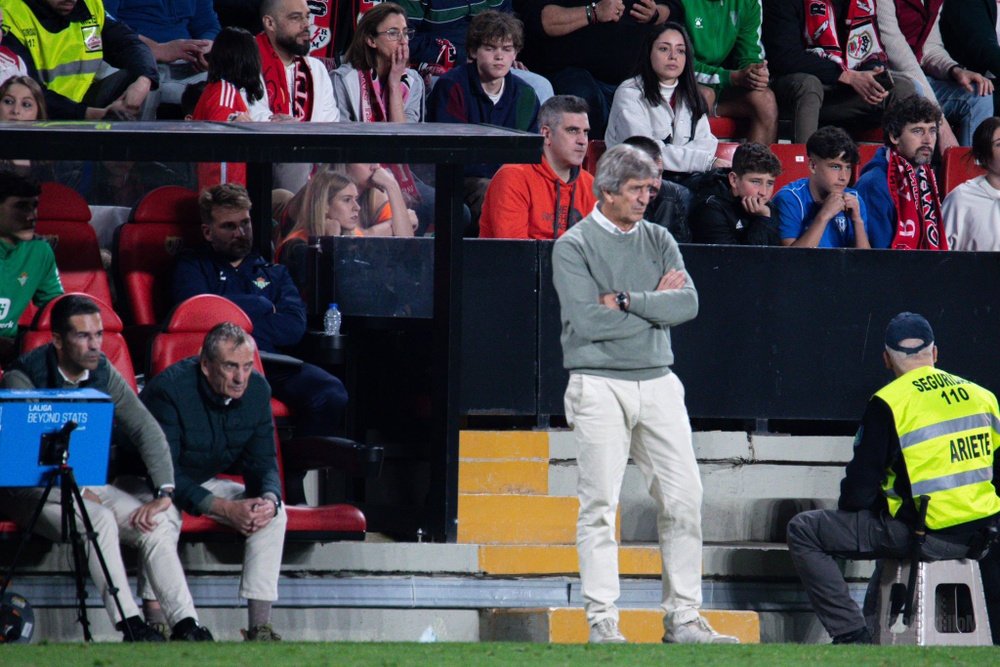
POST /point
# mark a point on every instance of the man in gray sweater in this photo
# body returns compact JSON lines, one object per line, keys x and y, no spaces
{"x":621,"y":284}
{"x":126,"y":511}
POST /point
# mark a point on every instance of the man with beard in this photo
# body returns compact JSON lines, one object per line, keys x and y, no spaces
{"x":266,"y":292}
{"x":898,"y":185}
{"x":298,"y":86}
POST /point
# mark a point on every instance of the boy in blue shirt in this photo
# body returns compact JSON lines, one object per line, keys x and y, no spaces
{"x":821,"y":211}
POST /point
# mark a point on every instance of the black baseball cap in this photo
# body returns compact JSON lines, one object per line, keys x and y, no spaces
{"x":905,"y":326}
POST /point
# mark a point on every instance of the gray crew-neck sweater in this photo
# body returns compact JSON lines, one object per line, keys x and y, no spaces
{"x":588,"y":261}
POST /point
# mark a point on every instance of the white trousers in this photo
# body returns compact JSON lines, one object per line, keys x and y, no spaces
{"x":262,"y":555}
{"x":647,"y":419}
{"x":110,"y":518}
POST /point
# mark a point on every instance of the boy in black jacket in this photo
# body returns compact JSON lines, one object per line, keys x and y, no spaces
{"x":736,"y":208}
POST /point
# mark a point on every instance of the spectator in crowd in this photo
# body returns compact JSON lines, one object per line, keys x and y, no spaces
{"x":971,"y":211}
{"x":485,"y":91}
{"x":662,"y":102}
{"x":587,"y":49}
{"x":541,"y":201}
{"x":28,"y":270}
{"x":228,"y":267}
{"x":179,"y":33}
{"x":297,"y":86}
{"x":729,"y":63}
{"x":126,"y":511}
{"x":668,"y":201}
{"x":820,"y":211}
{"x":62,"y":43}
{"x":740,"y":212}
{"x":235,"y":93}
{"x":912,"y":37}
{"x":439,"y":41}
{"x":21,"y":98}
{"x":828,"y":64}
{"x":330,"y":208}
{"x":969,"y":33}
{"x":10,"y":63}
{"x":898,"y":185}
{"x":375,"y":85}
{"x":622,"y":285}
{"x":903,"y":452}
{"x":216,"y":413}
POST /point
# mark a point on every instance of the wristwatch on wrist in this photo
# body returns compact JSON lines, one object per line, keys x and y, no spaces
{"x":622,"y":300}
{"x":592,"y":14}
{"x":165,"y":492}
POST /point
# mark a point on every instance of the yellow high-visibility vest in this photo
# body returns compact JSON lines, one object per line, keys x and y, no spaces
{"x":948,"y":428}
{"x":68,"y":60}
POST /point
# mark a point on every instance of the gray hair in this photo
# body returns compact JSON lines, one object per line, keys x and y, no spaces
{"x":550,"y":114}
{"x":620,"y":164}
{"x":227,"y":332}
{"x":905,"y":362}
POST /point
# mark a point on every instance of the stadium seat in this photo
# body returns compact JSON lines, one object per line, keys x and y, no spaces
{"x":794,"y":163}
{"x":726,"y":150}
{"x":182,"y":336}
{"x":114,"y":347}
{"x":871,"y":135}
{"x":958,"y":166}
{"x":64,"y":221}
{"x":724,"y":127}
{"x":145,"y":248}
{"x":595,"y":149}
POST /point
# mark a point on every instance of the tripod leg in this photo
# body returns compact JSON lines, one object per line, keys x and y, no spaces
{"x":70,"y":481}
{"x":28,"y":531}
{"x":71,"y":530}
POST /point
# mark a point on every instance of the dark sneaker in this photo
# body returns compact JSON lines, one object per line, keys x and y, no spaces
{"x":188,"y":630}
{"x":859,"y":636}
{"x":134,"y":629}
{"x":261,"y":633}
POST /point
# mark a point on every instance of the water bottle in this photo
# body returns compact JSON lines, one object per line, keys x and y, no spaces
{"x":331,"y":321}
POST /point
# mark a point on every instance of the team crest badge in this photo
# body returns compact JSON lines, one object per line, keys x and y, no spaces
{"x":91,"y":38}
{"x":261,"y":283}
{"x":23,"y":278}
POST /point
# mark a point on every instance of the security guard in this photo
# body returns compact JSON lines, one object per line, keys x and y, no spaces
{"x":63,"y":43}
{"x":926,"y":433}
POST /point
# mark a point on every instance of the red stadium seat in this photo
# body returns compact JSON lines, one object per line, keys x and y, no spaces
{"x":872,"y":135}
{"x":595,"y":149}
{"x":114,"y":348}
{"x":794,"y":163}
{"x":724,"y":127}
{"x":182,"y":337}
{"x":958,"y":167}
{"x":726,"y":150}
{"x":64,"y":221}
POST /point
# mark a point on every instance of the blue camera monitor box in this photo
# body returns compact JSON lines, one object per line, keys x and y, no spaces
{"x":27,"y":414}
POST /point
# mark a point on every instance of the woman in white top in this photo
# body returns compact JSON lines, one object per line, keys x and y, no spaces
{"x":971,"y":211}
{"x":662,"y":102}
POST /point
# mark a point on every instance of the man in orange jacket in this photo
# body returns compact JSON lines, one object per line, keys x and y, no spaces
{"x":541,"y":201}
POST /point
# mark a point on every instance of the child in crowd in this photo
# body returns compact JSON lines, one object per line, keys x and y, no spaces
{"x":235,"y":87}
{"x":820,"y":210}
{"x":971,"y":211}
{"x":662,"y":102}
{"x":668,"y":205}
{"x":485,"y":91}
{"x":740,"y":211}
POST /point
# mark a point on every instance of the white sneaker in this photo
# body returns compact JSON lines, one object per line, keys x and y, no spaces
{"x":606,"y":631}
{"x":696,"y":631}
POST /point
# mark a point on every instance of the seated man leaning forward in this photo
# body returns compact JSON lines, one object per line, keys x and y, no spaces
{"x":820,"y":211}
{"x":127,"y":510}
{"x":906,"y":461}
{"x":216,"y":413}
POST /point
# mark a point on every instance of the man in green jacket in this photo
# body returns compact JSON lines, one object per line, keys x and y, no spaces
{"x":726,"y":33}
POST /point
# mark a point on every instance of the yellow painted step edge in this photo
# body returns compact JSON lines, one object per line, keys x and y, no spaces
{"x":503,"y":445}
{"x":645,"y":626}
{"x":519,"y":559}
{"x":499,"y":477}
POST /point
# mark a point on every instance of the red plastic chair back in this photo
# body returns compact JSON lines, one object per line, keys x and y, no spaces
{"x":595,"y":149}
{"x":794,"y":163}
{"x":958,"y":167}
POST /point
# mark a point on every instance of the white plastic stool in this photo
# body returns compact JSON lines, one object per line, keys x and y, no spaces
{"x":949,"y":608}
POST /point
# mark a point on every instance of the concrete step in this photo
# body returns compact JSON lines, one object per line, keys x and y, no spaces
{"x":518,"y":476}
{"x":503,"y":445}
{"x":568,"y":625}
{"x":515,"y":519}
{"x":542,"y":560}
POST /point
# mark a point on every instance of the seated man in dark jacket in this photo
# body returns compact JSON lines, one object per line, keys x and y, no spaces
{"x":737,"y":209}
{"x":227,"y":267}
{"x":215,"y":411}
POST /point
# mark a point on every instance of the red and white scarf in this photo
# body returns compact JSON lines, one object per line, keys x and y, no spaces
{"x":299,"y":103}
{"x":914,"y":192}
{"x":863,"y":42}
{"x":373,"y":111}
